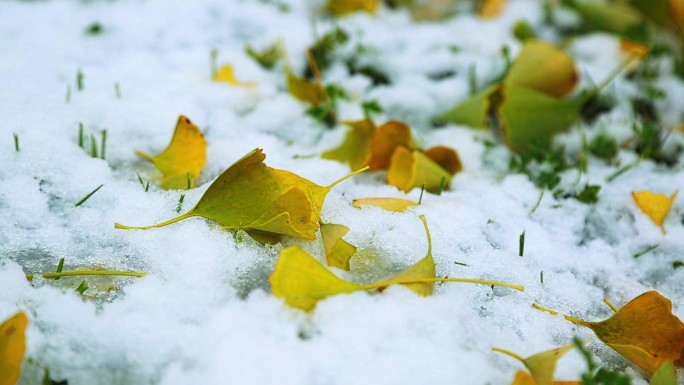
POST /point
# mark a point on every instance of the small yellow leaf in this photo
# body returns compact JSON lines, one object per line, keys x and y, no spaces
{"x":656,"y":206}
{"x":388,"y":138}
{"x":391,"y":204}
{"x":491,"y":9}
{"x":183,"y":159}
{"x":411,"y":169}
{"x":545,"y":68}
{"x":542,"y":366}
{"x":665,"y":375}
{"x":633,"y":48}
{"x":305,"y":90}
{"x":345,"y":7}
{"x":356,"y":148}
{"x":338,"y":252}
{"x":259,"y":199}
{"x":644,"y":331}
{"x":225,"y":74}
{"x":302,"y":281}
{"x":12,"y":348}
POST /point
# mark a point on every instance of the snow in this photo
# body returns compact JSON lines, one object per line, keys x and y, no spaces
{"x":204,"y":313}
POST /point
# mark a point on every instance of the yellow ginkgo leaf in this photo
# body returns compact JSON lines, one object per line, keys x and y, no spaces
{"x":302,"y":281}
{"x":543,"y":67}
{"x":345,"y":7}
{"x":523,"y":378}
{"x":338,"y":252}
{"x":183,"y":159}
{"x":387,"y":139}
{"x":491,"y":9}
{"x":633,"y":48}
{"x":305,"y":90}
{"x":356,"y":148}
{"x":542,"y":366}
{"x":12,"y":348}
{"x":446,"y":157}
{"x":256,"y":198}
{"x":391,"y":204}
{"x":411,"y":169}
{"x":656,"y":206}
{"x":225,"y":74}
{"x":644,"y":331}
{"x":665,"y":375}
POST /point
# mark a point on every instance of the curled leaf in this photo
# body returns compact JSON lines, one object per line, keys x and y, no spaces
{"x":256,"y":198}
{"x":472,"y":112}
{"x":338,"y":252}
{"x":656,"y":206}
{"x":356,"y":148}
{"x":644,"y":331}
{"x":12,"y":348}
{"x":542,"y":366}
{"x":665,"y":375}
{"x":391,"y":204}
{"x":226,"y":74}
{"x":410,"y":169}
{"x":387,"y":139}
{"x":183,"y":159}
{"x":545,"y":68}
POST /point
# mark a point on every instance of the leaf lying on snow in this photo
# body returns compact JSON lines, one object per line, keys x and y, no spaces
{"x":338,"y":252}
{"x":269,"y":56}
{"x":183,"y":159}
{"x":12,"y":348}
{"x":665,"y":375}
{"x":656,"y":206}
{"x":392,"y":147}
{"x":545,"y":68}
{"x":302,"y":281}
{"x":225,"y":74}
{"x":542,"y":366}
{"x":644,"y":331}
{"x":309,"y":91}
{"x":491,"y":9}
{"x":254,"y":197}
{"x":345,"y":7}
{"x":391,"y":204}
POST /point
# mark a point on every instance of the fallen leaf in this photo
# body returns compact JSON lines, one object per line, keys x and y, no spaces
{"x":391,"y":204}
{"x":12,"y":348}
{"x":269,"y":56}
{"x":305,"y":90}
{"x":523,"y":378}
{"x":633,"y":48}
{"x":644,"y":331}
{"x":473,"y":112}
{"x":183,"y":159}
{"x":302,"y":281}
{"x":656,"y":206}
{"x":356,"y":148}
{"x":619,"y":17}
{"x":542,"y":366}
{"x":541,"y":66}
{"x":345,"y":7}
{"x":665,"y":375}
{"x":338,"y":252}
{"x":491,"y":9}
{"x":256,"y":198}
{"x":446,"y":157}
{"x":411,"y":169}
{"x":225,"y":74}
{"x":387,"y":139}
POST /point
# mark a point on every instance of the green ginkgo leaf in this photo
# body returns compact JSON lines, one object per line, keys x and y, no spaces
{"x":473,"y":111}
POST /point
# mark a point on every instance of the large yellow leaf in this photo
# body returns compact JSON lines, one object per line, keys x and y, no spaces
{"x":183,"y":159}
{"x":356,"y":148}
{"x":545,"y":68}
{"x":391,"y":204}
{"x":411,"y":169}
{"x":12,"y":348}
{"x":225,"y":74}
{"x":656,"y":206}
{"x":644,"y":331}
{"x":254,"y":197}
{"x":338,"y":252}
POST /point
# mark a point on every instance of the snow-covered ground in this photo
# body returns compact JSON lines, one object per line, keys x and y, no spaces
{"x":204,"y":313}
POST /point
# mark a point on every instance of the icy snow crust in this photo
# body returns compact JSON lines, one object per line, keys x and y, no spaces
{"x":204,"y":315}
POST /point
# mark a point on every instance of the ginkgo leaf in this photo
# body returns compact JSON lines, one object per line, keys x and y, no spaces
{"x":472,"y":112}
{"x":387,"y":139}
{"x":543,"y":67}
{"x":302,"y":281}
{"x":356,"y":148}
{"x":446,"y":157}
{"x":542,"y":366}
{"x":411,"y":169}
{"x":529,"y":115}
{"x":644,"y":331}
{"x":226,"y":74}
{"x":656,"y":206}
{"x":305,"y":90}
{"x":523,"y":378}
{"x":183,"y":159}
{"x":665,"y":375}
{"x":12,"y":348}
{"x":391,"y":204}
{"x":345,"y":7}
{"x":254,"y":197}
{"x":338,"y":252}
{"x":491,"y":9}
{"x":634,"y":48}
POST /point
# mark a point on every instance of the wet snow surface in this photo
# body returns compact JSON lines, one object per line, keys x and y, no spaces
{"x":204,"y":313}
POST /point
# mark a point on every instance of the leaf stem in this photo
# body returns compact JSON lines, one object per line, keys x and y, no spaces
{"x":435,"y":280}
{"x":359,"y":171}
{"x":509,"y":353}
{"x":610,"y":305}
{"x":87,"y":272}
{"x":162,"y":224}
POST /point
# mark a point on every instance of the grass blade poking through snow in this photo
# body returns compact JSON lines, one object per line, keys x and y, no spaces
{"x":302,"y":281}
{"x":85,"y":198}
